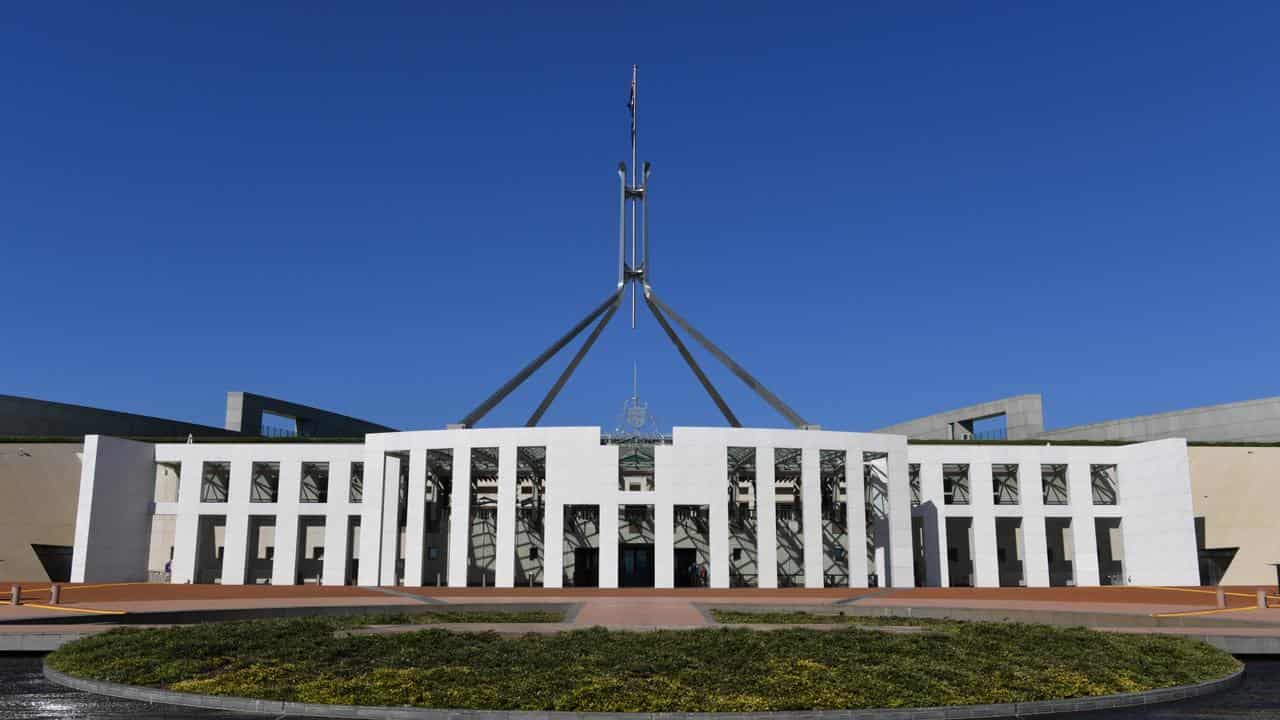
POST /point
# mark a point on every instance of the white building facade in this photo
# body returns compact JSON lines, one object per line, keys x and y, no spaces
{"x":560,"y":507}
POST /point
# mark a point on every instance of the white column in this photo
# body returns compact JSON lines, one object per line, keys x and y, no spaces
{"x":1086,"y":546}
{"x":415,"y":517}
{"x":856,"y":501}
{"x":505,"y":542}
{"x":811,"y":511}
{"x":390,"y":519}
{"x":284,"y":566}
{"x":333,"y":569}
{"x":1085,"y":562}
{"x":460,"y":522}
{"x":608,"y":544}
{"x":718,"y":515}
{"x":986,"y":564}
{"x":932,"y":545}
{"x":235,"y":547}
{"x":236,"y":533}
{"x":766,"y":520}
{"x":664,"y":519}
{"x":1035,"y":542}
{"x":1035,"y":566}
{"x":371,"y":513}
{"x":552,"y":542}
{"x":186,"y":524}
{"x":935,"y":511}
{"x":901,"y":564}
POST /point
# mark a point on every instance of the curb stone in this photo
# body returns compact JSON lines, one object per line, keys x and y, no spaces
{"x":955,"y":712}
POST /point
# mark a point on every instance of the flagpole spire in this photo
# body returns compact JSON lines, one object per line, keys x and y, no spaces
{"x":635,"y":77}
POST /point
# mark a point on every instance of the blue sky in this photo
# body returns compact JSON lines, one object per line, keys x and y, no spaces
{"x":881,"y":210}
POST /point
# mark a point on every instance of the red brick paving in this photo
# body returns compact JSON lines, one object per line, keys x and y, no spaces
{"x":614,"y":606}
{"x":117,"y":592}
{"x":1128,"y":594}
{"x":643,"y":612}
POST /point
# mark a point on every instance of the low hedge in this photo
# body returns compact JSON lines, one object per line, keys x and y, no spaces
{"x":717,"y":669}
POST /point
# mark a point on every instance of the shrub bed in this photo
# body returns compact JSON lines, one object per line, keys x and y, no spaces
{"x":599,"y":670}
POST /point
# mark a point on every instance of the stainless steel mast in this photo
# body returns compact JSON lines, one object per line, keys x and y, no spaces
{"x":634,"y":207}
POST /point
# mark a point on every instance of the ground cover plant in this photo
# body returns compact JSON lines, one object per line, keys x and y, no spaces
{"x":803,"y":617}
{"x":713,"y":669}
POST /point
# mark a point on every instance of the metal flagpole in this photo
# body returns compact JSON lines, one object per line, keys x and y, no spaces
{"x":635,"y":73}
{"x":483,"y":408}
{"x":693,"y":364}
{"x":573,"y":364}
{"x":774,"y":401}
{"x":633,"y":198}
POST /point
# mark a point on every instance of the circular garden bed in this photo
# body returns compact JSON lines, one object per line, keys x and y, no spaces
{"x":715,"y":669}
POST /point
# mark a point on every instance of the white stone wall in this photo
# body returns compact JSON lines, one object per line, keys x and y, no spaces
{"x":113,"y":515}
{"x":238,"y":508}
{"x":1154,"y":507}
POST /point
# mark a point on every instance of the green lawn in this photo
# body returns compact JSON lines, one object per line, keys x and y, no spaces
{"x":700,"y":670}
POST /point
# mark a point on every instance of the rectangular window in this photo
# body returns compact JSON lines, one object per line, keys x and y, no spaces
{"x":531,"y":477}
{"x":266,"y":482}
{"x":742,"y":484}
{"x":635,"y":466}
{"x":913,"y":476}
{"x":276,"y":425}
{"x":875,"y":481}
{"x":1053,"y":484}
{"x":482,"y":521}
{"x":356,"y":493}
{"x":215,"y":479}
{"x":788,"y":518}
{"x":955,"y":484}
{"x":484,"y":477}
{"x":835,"y":517}
{"x":315,"y":482}
{"x":439,"y":490}
{"x":1004,"y":484}
{"x":743,"y":536}
{"x":1106,"y":484}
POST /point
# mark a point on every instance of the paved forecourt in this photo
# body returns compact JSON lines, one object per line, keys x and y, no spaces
{"x":84,"y":609}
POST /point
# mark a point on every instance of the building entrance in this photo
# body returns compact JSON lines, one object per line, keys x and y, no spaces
{"x":586,"y":567}
{"x":686,"y":560}
{"x":635,"y":566}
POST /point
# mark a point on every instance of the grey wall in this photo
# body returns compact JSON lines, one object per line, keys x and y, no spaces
{"x":1248,"y":421}
{"x":244,"y":415}
{"x":1024,"y":419}
{"x":28,"y":417}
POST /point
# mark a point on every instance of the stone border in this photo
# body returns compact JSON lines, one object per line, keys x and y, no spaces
{"x":954,"y":712}
{"x":1066,"y":618}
